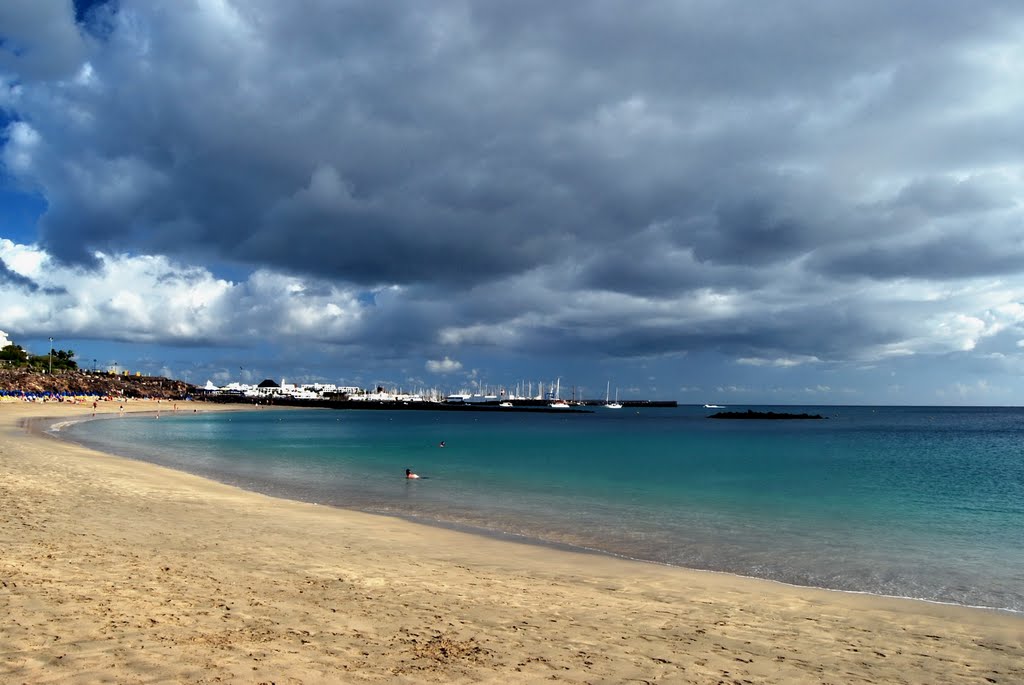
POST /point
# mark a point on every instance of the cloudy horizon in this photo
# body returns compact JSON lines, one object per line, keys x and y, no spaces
{"x":801,"y":202}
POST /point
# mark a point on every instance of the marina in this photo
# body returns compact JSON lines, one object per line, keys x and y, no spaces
{"x":337,"y":397}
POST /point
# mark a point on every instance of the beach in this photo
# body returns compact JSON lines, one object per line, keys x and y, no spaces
{"x":120,"y":571}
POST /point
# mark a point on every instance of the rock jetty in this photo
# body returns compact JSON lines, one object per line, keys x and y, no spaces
{"x":751,"y":414}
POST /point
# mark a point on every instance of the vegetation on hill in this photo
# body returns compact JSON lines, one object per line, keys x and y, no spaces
{"x":15,"y":356}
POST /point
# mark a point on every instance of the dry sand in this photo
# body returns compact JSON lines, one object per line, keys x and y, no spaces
{"x":123,"y":572}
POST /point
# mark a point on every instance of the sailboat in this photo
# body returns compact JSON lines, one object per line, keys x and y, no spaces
{"x":611,"y":405}
{"x":558,"y":402}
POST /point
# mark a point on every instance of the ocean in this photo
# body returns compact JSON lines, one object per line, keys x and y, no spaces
{"x":921,"y":502}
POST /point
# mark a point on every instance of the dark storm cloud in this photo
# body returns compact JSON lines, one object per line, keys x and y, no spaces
{"x":662,"y":261}
{"x":935,"y":228}
{"x":480,"y":134}
{"x":13,"y":278}
{"x":583,"y":172}
{"x":39,"y":40}
{"x":944,"y":257}
{"x":828,"y":332}
{"x":946,"y":197}
{"x":643,"y":272}
{"x":751,"y":234}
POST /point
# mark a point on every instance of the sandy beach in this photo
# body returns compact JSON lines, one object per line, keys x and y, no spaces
{"x":124,"y":572}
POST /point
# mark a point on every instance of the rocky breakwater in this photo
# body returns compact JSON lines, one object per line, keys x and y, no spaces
{"x":763,"y":415}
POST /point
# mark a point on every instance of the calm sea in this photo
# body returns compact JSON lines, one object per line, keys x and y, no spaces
{"x":918,"y":502}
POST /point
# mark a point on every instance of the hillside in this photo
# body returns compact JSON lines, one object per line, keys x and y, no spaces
{"x":17,"y":381}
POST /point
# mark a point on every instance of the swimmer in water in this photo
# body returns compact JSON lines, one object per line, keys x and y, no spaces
{"x":410,"y":474}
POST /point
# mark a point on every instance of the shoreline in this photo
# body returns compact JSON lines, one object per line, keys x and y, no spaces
{"x":46,"y":426}
{"x":175,"y":577}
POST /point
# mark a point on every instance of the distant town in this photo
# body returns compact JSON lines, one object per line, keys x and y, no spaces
{"x":521,"y":396}
{"x":57,"y":375}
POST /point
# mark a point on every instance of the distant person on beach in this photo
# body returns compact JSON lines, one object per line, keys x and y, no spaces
{"x":410,"y":474}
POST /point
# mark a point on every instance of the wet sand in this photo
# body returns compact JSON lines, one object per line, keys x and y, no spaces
{"x":125,"y":572}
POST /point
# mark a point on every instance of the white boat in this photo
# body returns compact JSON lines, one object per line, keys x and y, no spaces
{"x":559,"y":403}
{"x":713,"y":406}
{"x":506,"y":404}
{"x":611,"y":405}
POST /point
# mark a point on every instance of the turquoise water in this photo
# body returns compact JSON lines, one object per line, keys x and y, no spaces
{"x":912,"y":502}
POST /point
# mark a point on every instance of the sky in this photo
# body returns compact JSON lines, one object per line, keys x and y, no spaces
{"x":722,"y":201}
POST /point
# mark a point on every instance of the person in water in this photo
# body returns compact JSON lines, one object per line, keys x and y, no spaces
{"x":410,"y":474}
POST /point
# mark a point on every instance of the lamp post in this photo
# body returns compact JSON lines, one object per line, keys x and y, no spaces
{"x":49,"y":357}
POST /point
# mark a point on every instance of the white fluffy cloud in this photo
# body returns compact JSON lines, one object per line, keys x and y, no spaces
{"x":443,"y":366}
{"x":153,"y":299}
